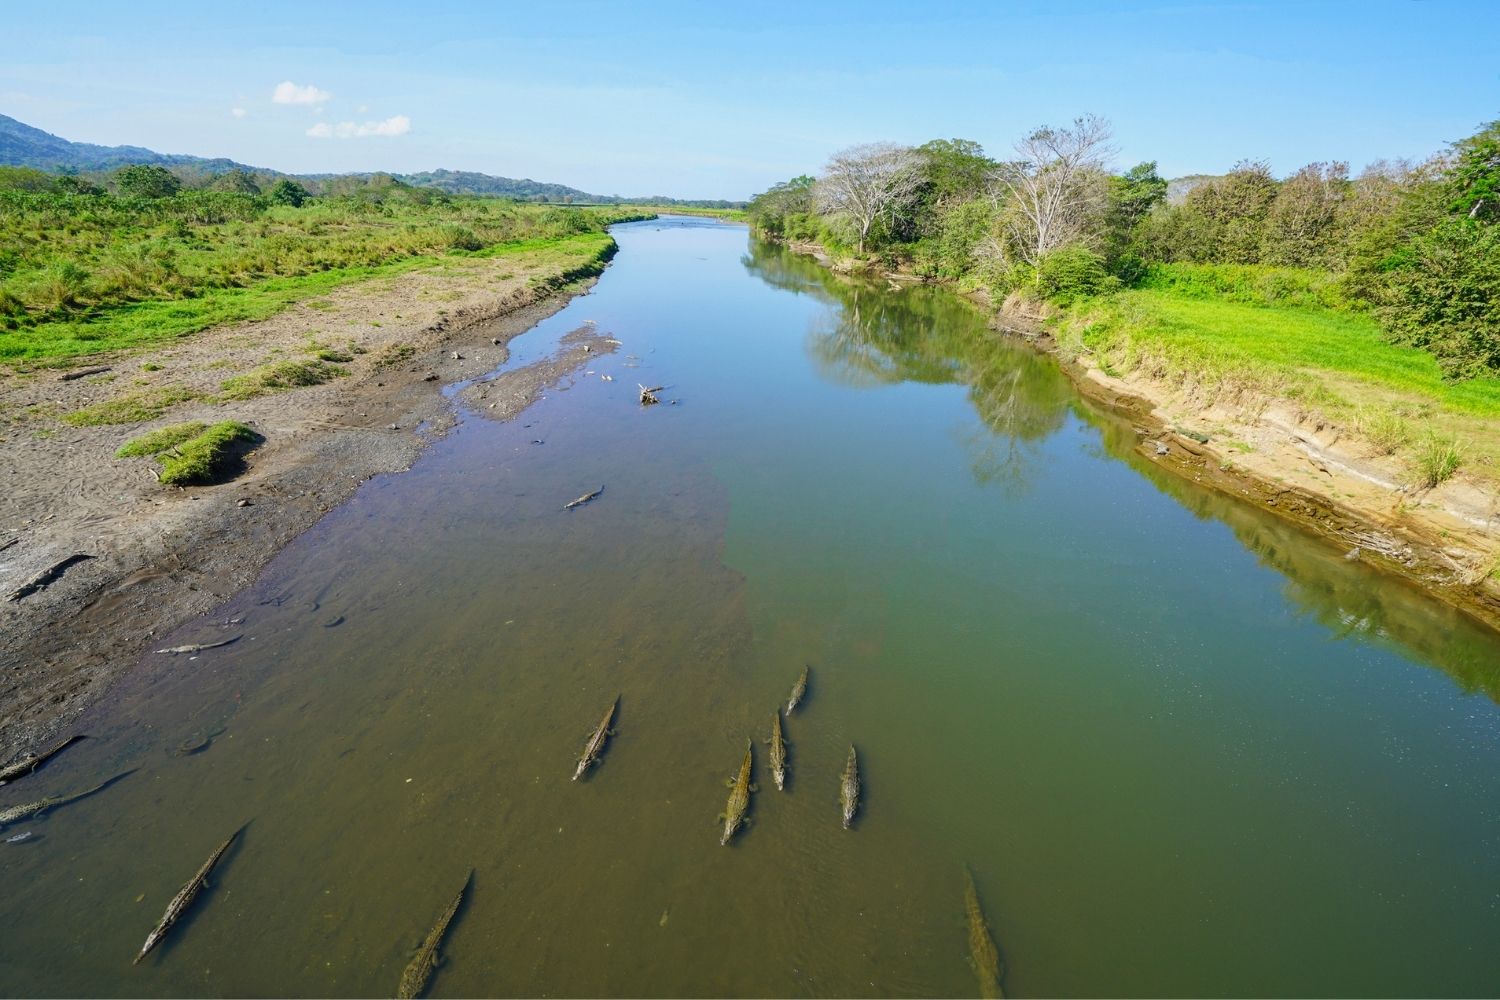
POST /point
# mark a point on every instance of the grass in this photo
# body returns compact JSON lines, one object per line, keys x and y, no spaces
{"x":1334,"y":362}
{"x":203,"y":458}
{"x":1283,"y":346}
{"x":279,"y":376}
{"x":160,"y":440}
{"x":81,"y":275}
{"x":1437,"y":457}
{"x":190,"y":453}
{"x":132,"y":408}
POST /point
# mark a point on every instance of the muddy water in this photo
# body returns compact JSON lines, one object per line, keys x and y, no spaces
{"x":1185,"y":750}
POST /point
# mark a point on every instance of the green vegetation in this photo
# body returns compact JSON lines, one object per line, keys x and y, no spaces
{"x":82,"y":273}
{"x":1438,"y":457}
{"x":192,"y":452}
{"x":1373,"y":298}
{"x":280,"y":376}
{"x":160,"y":440}
{"x":133,"y":408}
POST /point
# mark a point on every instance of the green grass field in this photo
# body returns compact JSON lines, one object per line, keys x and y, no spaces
{"x":1335,"y":362}
{"x":1280,"y":347}
{"x":82,"y":274}
{"x":140,"y":324}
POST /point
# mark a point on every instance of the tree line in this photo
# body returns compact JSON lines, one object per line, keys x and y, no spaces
{"x":1416,"y":243}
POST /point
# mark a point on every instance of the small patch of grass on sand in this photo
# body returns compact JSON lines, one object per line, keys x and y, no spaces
{"x":160,"y":440}
{"x":133,"y":408}
{"x":280,"y":376}
{"x":192,"y":452}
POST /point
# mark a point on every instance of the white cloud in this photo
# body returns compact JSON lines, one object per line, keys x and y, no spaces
{"x":395,"y":125}
{"x":288,"y":92}
{"x":237,"y":112}
{"x":362,"y":108}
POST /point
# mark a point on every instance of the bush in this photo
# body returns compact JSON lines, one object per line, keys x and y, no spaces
{"x":145,"y":180}
{"x":288,"y":192}
{"x":1443,"y":295}
{"x":1073,"y":272}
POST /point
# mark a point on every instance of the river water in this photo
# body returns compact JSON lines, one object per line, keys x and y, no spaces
{"x":1184,"y":749}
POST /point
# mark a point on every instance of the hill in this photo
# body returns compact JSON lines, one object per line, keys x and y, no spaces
{"x":22,"y":145}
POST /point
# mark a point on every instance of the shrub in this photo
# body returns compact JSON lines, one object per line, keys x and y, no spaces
{"x":1443,"y":295}
{"x":1072,"y":272}
{"x":288,"y":192}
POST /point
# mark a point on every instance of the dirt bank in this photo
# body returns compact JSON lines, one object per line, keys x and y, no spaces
{"x":157,"y":556}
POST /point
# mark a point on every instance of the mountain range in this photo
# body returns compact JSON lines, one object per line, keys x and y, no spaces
{"x":23,"y":145}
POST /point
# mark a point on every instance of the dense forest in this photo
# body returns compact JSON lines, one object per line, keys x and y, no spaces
{"x":1416,"y":246}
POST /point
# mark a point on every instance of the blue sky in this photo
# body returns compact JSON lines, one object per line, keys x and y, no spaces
{"x":709,"y":101}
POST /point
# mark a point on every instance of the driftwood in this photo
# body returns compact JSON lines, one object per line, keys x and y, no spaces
{"x":82,"y":373}
{"x":46,"y":578}
{"x":648,"y":396}
{"x":583,"y":499}
{"x":199,"y":647}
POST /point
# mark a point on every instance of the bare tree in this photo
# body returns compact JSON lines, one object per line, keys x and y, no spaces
{"x":1056,"y":183}
{"x":866,"y":182}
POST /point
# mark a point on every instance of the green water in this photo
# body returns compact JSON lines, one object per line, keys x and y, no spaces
{"x":1185,"y":750}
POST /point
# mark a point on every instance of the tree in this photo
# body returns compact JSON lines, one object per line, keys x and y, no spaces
{"x":146,"y":180}
{"x":866,"y":182}
{"x":1444,"y":295}
{"x":236,"y":181}
{"x":1300,"y":228}
{"x":1236,"y":206}
{"x":1135,"y":193}
{"x":1055,"y":184}
{"x":1474,"y":178}
{"x":288,"y":192}
{"x":771,"y":209}
{"x":956,"y":170}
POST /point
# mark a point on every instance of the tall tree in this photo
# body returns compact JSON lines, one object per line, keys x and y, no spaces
{"x":1474,"y":178}
{"x":865,"y":182}
{"x":1056,"y":185}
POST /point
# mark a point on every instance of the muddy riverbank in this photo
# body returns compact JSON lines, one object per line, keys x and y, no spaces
{"x":157,"y":556}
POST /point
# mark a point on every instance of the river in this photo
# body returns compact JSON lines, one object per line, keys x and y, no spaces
{"x":1184,"y":749}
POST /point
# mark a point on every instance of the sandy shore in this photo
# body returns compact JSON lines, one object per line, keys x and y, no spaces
{"x":154,"y":556}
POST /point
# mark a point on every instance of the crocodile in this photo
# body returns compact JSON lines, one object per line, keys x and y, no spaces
{"x":739,"y":798}
{"x":595,"y":746}
{"x":28,"y":764}
{"x":198,"y":647}
{"x":14,"y":814}
{"x":982,"y":950}
{"x":572,"y":504}
{"x":798,"y":691}
{"x":849,"y":788}
{"x":419,"y":970}
{"x":778,"y":753}
{"x":179,"y":903}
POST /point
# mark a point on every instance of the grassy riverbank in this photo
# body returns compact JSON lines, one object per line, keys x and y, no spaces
{"x":1183,"y":331}
{"x":85,"y":274}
